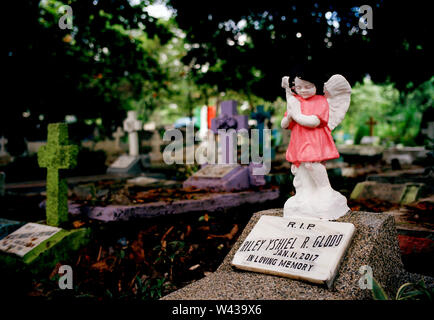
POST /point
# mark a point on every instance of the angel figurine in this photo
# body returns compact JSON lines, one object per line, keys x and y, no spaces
{"x":311,"y":117}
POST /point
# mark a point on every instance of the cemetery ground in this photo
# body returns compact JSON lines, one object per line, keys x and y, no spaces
{"x":146,"y":259}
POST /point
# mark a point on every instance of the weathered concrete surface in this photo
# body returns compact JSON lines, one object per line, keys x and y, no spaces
{"x":375,"y":243}
{"x":208,"y":202}
{"x":393,"y":193}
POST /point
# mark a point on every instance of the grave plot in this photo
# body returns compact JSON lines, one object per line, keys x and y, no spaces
{"x":283,"y":271}
{"x":215,"y":187}
{"x":144,"y":260}
{"x":34,"y":247}
{"x":407,"y":195}
{"x":131,"y":203}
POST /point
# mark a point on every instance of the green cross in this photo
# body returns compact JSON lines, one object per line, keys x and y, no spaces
{"x":55,"y":155}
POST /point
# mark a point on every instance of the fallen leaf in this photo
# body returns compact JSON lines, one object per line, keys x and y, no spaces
{"x":166,"y":233}
{"x":77,"y":224}
{"x":228,"y":236}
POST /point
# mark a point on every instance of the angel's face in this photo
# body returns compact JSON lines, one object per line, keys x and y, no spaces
{"x":305,"y":89}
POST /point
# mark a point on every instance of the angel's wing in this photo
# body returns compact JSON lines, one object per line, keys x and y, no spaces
{"x":337,"y":90}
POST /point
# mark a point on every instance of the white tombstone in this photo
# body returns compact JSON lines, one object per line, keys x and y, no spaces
{"x":118,"y":134}
{"x":370,"y":140}
{"x":26,"y":238}
{"x":132,"y":125}
{"x":305,"y":249}
{"x":156,"y":142}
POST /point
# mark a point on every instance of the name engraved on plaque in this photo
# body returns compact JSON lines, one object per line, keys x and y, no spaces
{"x":303,"y":249}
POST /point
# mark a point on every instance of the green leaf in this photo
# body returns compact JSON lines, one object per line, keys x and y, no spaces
{"x":378,"y":292}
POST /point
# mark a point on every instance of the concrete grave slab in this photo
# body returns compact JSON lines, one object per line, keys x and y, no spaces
{"x":208,"y":202}
{"x":126,"y":164}
{"x":393,"y":193}
{"x":43,"y":250}
{"x":374,"y":244}
{"x":220,"y":177}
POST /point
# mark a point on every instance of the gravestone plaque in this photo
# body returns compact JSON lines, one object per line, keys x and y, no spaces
{"x":125,"y":164}
{"x":215,"y":171}
{"x":27,"y":238}
{"x":304,"y":249}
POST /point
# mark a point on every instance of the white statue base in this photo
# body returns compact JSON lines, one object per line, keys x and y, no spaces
{"x":314,"y":197}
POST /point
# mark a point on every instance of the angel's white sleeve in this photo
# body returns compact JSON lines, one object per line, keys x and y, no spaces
{"x":338,"y":93}
{"x":310,"y":121}
{"x":307,"y":121}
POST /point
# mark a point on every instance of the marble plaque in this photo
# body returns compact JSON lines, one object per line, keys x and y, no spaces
{"x":215,"y":170}
{"x":304,"y":249}
{"x":27,"y":238}
{"x":123,"y":162}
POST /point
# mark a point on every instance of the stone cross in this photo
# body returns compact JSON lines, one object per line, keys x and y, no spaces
{"x":229,"y":119}
{"x":55,"y":155}
{"x":371,"y":123}
{"x":118,"y":134}
{"x":260,"y":115}
{"x":156,"y":142}
{"x":3,"y":142}
{"x":132,"y":125}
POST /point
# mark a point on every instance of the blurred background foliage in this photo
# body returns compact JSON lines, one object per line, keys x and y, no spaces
{"x":119,"y":56}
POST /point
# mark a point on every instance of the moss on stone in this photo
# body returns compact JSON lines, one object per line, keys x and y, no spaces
{"x":45,"y":256}
{"x":56,"y":155}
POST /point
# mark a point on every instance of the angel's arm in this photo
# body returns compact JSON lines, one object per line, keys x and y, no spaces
{"x":294,"y":111}
{"x":306,"y":121}
{"x":284,"y":124}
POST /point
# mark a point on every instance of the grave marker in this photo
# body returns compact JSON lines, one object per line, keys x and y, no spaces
{"x":227,"y":175}
{"x":260,"y":115}
{"x":228,"y":119}
{"x":26,"y":238}
{"x":36,"y":246}
{"x":374,"y":244}
{"x":56,"y":155}
{"x":118,"y":134}
{"x":129,"y":164}
{"x":305,"y":249}
{"x":132,"y":125}
{"x":156,"y":142}
{"x":371,"y":123}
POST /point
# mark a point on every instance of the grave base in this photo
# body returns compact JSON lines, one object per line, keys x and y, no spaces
{"x":234,"y":177}
{"x":127,"y":165}
{"x":47,"y":253}
{"x":393,"y":193}
{"x":211,"y":202}
{"x":375,"y":244}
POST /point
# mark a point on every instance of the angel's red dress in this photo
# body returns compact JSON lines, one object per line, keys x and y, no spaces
{"x":311,"y":144}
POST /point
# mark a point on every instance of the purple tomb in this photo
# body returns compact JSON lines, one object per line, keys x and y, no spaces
{"x":226,"y":176}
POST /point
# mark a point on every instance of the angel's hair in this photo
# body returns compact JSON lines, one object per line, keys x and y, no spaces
{"x":308,"y":72}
